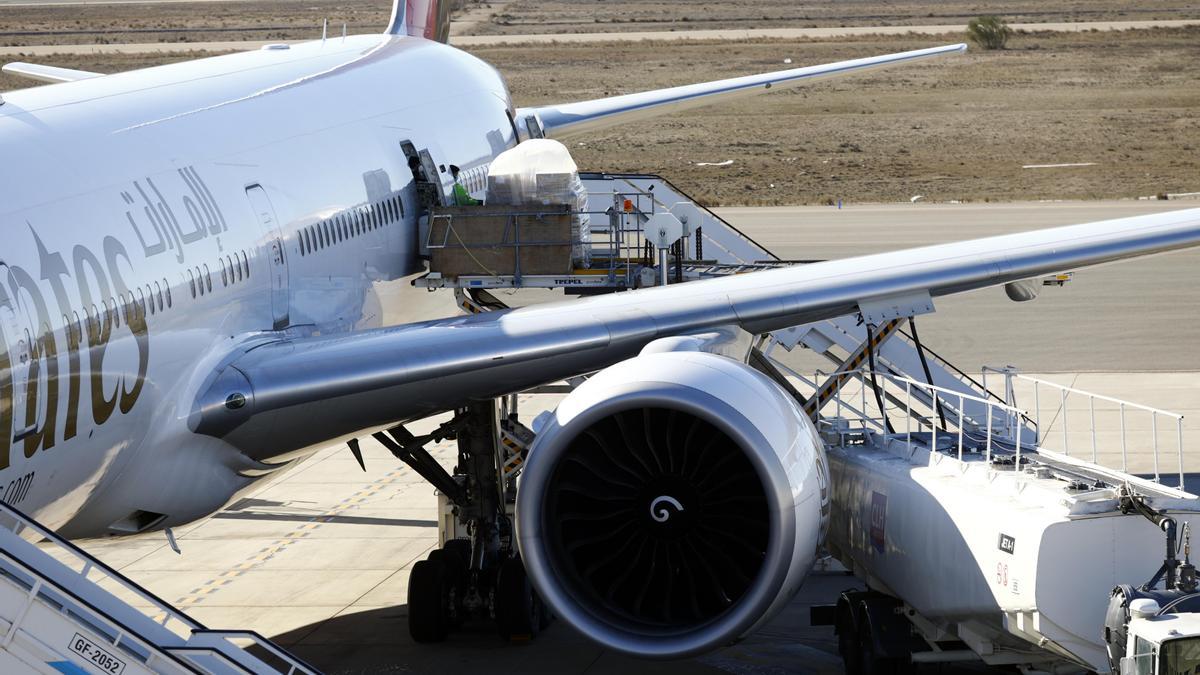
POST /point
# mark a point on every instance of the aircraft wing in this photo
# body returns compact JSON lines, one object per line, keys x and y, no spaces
{"x":52,"y":74}
{"x":286,"y":394}
{"x":557,"y":121}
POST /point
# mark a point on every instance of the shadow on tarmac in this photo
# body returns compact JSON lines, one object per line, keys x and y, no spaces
{"x":377,"y":641}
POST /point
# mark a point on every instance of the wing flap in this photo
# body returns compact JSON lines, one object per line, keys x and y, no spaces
{"x":53,"y":74}
{"x":557,"y":121}
{"x":302,"y":392}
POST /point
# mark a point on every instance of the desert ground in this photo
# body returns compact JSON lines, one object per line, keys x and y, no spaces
{"x":84,"y":21}
{"x":1125,"y":103}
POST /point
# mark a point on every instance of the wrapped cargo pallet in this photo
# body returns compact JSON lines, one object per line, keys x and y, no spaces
{"x":541,"y":172}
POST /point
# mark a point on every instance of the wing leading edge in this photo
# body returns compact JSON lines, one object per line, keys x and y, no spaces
{"x":301,"y":392}
{"x":557,"y":121}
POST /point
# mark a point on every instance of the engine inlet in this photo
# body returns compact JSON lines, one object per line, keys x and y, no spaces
{"x":658,"y":518}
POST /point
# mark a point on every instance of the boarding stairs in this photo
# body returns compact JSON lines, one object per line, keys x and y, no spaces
{"x":64,"y":611}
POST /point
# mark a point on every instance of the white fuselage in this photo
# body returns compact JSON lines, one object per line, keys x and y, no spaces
{"x":153,"y":222}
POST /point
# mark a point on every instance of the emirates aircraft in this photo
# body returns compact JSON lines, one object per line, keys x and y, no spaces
{"x":190,"y":273}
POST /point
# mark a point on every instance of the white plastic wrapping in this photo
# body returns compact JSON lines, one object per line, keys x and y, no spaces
{"x":542,"y":172}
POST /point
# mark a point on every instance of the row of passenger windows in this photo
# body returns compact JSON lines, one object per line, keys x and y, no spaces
{"x":351,"y":223}
{"x":235,"y":268}
{"x":151,"y":298}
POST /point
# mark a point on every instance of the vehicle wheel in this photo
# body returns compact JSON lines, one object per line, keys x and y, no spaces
{"x":871,"y":663}
{"x":848,"y":644}
{"x":428,"y":619}
{"x":518,"y":607}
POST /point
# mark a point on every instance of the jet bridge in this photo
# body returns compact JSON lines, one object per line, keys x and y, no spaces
{"x":63,"y":610}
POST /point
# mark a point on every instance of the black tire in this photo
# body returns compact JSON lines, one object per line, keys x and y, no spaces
{"x":428,"y":619}
{"x":461,"y":549}
{"x":518,"y":608}
{"x":848,"y":644}
{"x":455,"y":586}
{"x":872,"y":663}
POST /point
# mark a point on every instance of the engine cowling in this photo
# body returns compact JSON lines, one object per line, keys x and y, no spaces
{"x":674,"y":503}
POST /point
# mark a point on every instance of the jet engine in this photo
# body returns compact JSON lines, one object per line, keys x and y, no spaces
{"x":674,"y":503}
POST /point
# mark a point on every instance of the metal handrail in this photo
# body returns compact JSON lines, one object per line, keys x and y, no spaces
{"x":295,"y":663}
{"x":100,"y":616}
{"x":90,"y":562}
{"x":935,"y":392}
{"x":1122,"y":406}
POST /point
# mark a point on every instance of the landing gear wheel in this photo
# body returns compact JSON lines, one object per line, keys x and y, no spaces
{"x":455,"y":585}
{"x":429,"y":597}
{"x":519,"y":610}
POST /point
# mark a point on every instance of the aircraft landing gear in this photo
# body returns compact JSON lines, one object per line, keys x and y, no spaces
{"x":476,"y":573}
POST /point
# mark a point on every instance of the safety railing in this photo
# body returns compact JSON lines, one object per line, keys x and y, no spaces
{"x":1110,"y":406}
{"x":93,"y":570}
{"x":998,"y":433}
{"x":132,"y":638}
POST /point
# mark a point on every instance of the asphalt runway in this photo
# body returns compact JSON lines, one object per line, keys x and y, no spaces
{"x":577,"y":38}
{"x":318,"y":558}
{"x":1132,"y":316}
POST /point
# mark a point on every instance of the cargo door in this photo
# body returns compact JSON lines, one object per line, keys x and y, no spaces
{"x":16,"y":359}
{"x":276,"y":254}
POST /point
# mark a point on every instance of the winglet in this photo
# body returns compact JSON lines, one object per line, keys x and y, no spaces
{"x":41,"y":73}
{"x":429,"y":19}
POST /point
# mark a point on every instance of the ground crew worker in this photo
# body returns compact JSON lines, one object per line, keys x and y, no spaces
{"x":461,"y":196}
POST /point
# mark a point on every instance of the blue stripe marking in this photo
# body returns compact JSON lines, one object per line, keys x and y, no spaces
{"x":67,"y":667}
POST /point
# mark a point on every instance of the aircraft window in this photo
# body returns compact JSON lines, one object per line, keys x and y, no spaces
{"x":400,"y":201}
{"x":207,"y":278}
{"x":372,"y":217}
{"x":246,"y":264}
{"x":341,"y":229}
{"x":224,"y":276}
{"x":192,"y":282}
{"x":78,"y":327}
{"x":167,"y":288}
{"x":141,"y":300}
{"x":325,"y":237}
{"x":306,"y":239}
{"x":158,"y":292}
{"x":228,"y":262}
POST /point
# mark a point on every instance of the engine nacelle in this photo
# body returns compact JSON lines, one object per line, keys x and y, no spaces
{"x":674,"y":503}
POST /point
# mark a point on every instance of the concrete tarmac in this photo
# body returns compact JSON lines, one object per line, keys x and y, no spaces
{"x":318,"y":558}
{"x":1129,"y":316}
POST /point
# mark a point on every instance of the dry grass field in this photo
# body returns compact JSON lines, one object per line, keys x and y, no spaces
{"x":958,"y":128}
{"x":201,"y":21}
{"x":589,"y":16}
{"x":961,"y":128}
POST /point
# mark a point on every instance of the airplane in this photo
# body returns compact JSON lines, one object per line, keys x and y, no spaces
{"x":191,"y":302}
